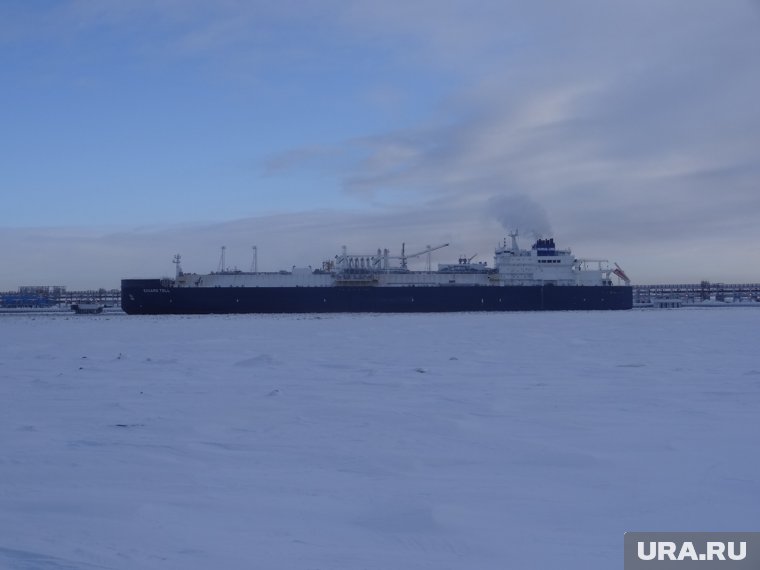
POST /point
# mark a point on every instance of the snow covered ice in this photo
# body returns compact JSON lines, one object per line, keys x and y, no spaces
{"x":472,"y":441}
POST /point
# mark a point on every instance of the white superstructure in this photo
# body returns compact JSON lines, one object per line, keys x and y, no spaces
{"x":543,"y":264}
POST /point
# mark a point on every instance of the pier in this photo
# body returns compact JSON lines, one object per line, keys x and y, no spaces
{"x":697,"y":292}
{"x":51,"y":296}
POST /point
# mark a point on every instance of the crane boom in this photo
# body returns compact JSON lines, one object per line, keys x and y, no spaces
{"x":428,"y":249}
{"x":403,"y":257}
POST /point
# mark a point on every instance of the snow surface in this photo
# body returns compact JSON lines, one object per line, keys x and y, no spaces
{"x":472,"y":441}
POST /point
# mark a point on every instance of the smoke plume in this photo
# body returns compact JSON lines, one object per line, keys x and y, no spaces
{"x":520,"y":212}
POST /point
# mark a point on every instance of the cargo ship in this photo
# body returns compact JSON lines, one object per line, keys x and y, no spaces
{"x":541,"y":278}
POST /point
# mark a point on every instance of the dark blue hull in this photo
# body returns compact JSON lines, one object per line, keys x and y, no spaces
{"x":150,"y":297}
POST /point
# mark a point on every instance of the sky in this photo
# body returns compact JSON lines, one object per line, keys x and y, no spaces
{"x":132,"y":131}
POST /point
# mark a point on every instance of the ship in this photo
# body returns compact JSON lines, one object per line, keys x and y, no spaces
{"x":542,"y":278}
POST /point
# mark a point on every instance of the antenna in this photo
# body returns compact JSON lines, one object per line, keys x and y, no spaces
{"x":255,"y":262}
{"x":221,"y":260}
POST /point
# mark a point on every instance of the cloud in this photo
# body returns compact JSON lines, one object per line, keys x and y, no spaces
{"x":633,"y":128}
{"x":659,"y":149}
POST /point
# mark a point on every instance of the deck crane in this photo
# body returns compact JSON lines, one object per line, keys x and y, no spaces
{"x":381,"y":259}
{"x":428,"y":249}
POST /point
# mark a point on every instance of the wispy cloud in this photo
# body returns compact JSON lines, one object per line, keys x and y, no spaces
{"x":618,"y":144}
{"x":636,"y":122}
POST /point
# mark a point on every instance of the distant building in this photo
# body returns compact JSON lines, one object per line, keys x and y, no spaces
{"x":43,"y":290}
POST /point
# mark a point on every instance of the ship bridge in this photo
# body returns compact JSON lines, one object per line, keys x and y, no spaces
{"x":545,"y":264}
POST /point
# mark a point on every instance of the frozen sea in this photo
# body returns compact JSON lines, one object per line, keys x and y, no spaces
{"x":446,"y":441}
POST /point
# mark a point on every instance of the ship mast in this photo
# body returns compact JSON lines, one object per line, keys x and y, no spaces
{"x":176,"y":260}
{"x":221,"y":260}
{"x":514,"y":235}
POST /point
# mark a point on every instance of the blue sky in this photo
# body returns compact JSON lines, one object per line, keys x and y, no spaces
{"x":133,"y":130}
